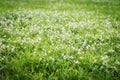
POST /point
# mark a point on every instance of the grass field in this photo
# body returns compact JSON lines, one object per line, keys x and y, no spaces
{"x":59,"y":39}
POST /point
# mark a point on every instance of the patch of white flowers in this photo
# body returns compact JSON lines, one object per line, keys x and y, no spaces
{"x":105,"y":59}
{"x":56,"y":31}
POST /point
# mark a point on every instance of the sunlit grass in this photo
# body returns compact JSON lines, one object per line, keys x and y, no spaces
{"x":60,"y":40}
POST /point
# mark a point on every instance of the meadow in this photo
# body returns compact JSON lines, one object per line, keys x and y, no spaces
{"x":59,"y":39}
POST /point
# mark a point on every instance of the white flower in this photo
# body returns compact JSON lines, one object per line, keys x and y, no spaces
{"x":76,"y":62}
{"x":104,"y":57}
{"x":117,"y":62}
{"x":111,"y":50}
{"x":94,"y":61}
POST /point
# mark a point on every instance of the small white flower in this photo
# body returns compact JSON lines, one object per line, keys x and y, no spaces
{"x":104,"y":57}
{"x":117,"y":62}
{"x":76,"y":62}
{"x":111,"y":50}
{"x":95,"y":61}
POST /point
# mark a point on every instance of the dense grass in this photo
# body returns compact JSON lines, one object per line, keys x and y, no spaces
{"x":59,"y":40}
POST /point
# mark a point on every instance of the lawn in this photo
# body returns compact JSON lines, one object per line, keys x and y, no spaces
{"x":59,"y":39}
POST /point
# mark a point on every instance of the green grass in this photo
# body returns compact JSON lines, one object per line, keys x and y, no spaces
{"x":59,"y":40}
